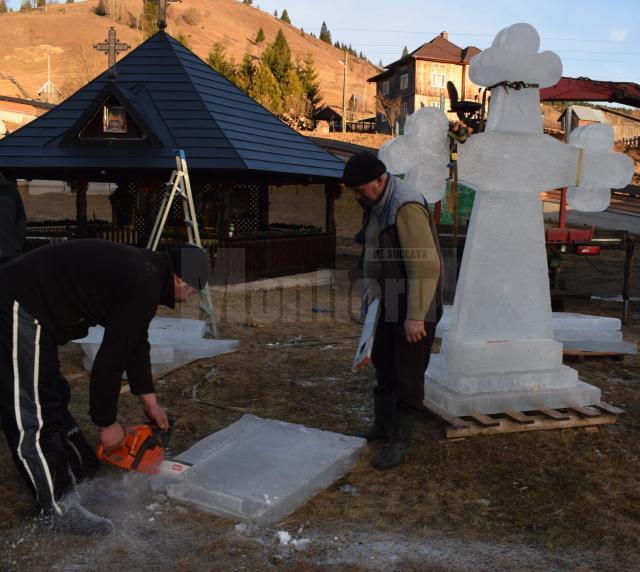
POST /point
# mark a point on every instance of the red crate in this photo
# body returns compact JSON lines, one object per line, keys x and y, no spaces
{"x":580,"y":235}
{"x":557,"y":235}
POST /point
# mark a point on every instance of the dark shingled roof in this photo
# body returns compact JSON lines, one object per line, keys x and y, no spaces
{"x":440,"y":49}
{"x":178,"y":102}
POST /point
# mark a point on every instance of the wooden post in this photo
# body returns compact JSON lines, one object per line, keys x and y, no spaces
{"x":332,"y":191}
{"x":79,"y":187}
{"x":626,"y":284}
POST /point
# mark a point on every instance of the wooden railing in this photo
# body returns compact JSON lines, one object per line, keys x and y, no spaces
{"x":244,"y":260}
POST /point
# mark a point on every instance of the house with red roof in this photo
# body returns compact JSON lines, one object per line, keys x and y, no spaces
{"x":420,"y":78}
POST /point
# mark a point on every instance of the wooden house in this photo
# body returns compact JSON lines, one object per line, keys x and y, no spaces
{"x":420,"y":78}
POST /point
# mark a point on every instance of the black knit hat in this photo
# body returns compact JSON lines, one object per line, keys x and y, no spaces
{"x":361,"y":169}
{"x":191,"y":264}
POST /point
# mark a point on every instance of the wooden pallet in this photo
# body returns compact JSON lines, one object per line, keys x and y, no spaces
{"x":543,"y":419}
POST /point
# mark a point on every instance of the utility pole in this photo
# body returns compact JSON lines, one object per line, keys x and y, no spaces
{"x":344,"y":92}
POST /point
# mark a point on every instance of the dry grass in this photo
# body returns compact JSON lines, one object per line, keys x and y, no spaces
{"x":567,"y":493}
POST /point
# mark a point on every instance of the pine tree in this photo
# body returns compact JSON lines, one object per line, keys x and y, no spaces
{"x":380,"y":64}
{"x":325,"y":34}
{"x":3,"y":7}
{"x":41,"y":3}
{"x":308,"y":76}
{"x":69,"y":2}
{"x":101,"y":9}
{"x":218,"y":61}
{"x":336,"y":44}
{"x":265,"y":90}
{"x":277,"y":57}
{"x":149,"y":18}
{"x":183,"y":39}
{"x":275,"y":13}
{"x":405,"y":52}
{"x":260,"y":37}
{"x":245,"y":72}
{"x":285,"y":16}
{"x":247,"y":2}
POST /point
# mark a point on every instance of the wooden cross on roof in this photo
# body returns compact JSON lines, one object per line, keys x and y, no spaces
{"x":162,"y":15}
{"x":112,"y":47}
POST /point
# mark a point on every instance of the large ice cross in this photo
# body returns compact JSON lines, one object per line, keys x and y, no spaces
{"x":499,"y":352}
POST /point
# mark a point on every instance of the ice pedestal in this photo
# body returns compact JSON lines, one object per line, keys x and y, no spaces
{"x":499,"y":352}
{"x":261,"y":469}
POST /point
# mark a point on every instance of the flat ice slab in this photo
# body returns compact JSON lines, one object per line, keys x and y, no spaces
{"x":575,"y":331}
{"x":174,"y":342}
{"x":261,"y":469}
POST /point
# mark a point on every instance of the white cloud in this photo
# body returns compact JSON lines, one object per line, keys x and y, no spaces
{"x":618,"y":35}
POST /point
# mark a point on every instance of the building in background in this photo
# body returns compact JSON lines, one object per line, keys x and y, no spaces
{"x":420,"y":78}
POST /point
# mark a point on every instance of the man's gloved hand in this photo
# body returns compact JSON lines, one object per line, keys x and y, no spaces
{"x":111,"y":436}
{"x":153,"y":411}
{"x":414,"y":330}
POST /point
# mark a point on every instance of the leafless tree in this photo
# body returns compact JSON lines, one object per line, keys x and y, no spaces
{"x":390,"y":108}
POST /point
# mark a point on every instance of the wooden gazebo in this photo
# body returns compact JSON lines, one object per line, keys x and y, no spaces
{"x":125,"y":128}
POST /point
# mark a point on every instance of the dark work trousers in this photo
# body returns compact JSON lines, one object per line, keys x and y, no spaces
{"x":400,"y":365}
{"x":47,"y":445}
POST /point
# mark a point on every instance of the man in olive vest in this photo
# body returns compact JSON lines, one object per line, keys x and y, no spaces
{"x":402,"y":266}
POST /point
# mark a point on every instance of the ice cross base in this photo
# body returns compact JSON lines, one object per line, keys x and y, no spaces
{"x":499,"y":353}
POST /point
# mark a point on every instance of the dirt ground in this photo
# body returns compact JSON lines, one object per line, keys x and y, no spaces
{"x":552,"y":500}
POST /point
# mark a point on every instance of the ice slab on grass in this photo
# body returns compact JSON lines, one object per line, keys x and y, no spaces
{"x":261,"y":469}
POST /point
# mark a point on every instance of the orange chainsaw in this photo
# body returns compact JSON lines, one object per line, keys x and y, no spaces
{"x":142,"y":449}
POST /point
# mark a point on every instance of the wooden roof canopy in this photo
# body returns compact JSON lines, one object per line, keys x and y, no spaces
{"x":164,"y":98}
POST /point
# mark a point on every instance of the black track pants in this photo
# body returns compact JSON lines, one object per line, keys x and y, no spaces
{"x":400,"y":365}
{"x":47,"y":445}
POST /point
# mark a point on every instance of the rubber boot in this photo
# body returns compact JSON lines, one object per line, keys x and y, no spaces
{"x":384,"y":409}
{"x":395,"y":452}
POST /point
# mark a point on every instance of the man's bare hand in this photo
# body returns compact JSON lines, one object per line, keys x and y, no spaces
{"x":111,"y":436}
{"x":153,"y":411}
{"x":414,"y":330}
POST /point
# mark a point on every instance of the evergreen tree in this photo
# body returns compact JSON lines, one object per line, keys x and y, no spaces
{"x":245,"y":72}
{"x":69,"y":1}
{"x":380,"y":64}
{"x":265,"y":90}
{"x":101,"y":9}
{"x":325,"y":34}
{"x":308,"y":76}
{"x":41,"y":3}
{"x":149,"y":18}
{"x":405,"y":52}
{"x":275,"y":13}
{"x":260,"y":36}
{"x":277,"y":57}
{"x":285,"y":16}
{"x":3,"y":7}
{"x":247,"y":2}
{"x":218,"y":61}
{"x":183,"y":39}
{"x":336,"y":44}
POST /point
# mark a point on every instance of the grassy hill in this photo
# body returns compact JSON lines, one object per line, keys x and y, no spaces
{"x":69,"y":31}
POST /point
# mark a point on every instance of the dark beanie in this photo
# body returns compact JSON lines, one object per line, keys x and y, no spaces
{"x":191,"y":264}
{"x":362,"y":168}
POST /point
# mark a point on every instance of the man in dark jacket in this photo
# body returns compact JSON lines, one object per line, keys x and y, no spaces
{"x":53,"y":295}
{"x":402,"y":266}
{"x":13,"y":221}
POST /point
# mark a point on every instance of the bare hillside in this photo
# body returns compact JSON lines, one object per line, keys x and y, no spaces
{"x":69,"y":31}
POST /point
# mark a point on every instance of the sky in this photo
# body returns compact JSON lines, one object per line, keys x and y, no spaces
{"x":595,"y":38}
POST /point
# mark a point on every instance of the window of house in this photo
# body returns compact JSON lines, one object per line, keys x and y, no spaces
{"x":404,"y":81}
{"x":438,"y":75}
{"x":384,"y":88}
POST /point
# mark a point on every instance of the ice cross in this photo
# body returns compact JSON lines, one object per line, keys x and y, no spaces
{"x":499,"y":353}
{"x":112,"y":47}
